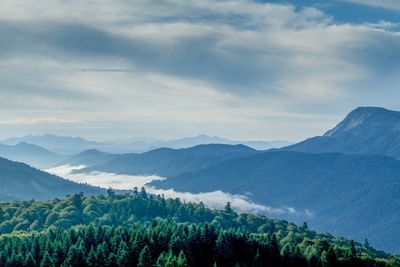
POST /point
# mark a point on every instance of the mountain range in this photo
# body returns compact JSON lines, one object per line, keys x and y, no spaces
{"x":349,"y":178}
{"x":66,"y":145}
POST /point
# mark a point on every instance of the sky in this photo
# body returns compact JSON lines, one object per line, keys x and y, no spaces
{"x":245,"y":70}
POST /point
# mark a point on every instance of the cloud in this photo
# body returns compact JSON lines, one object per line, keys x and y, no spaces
{"x":37,"y":121}
{"x":186,"y":67}
{"x":215,"y":199}
{"x":388,"y":4}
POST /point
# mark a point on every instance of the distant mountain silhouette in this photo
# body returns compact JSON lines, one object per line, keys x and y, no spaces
{"x":33,"y":155}
{"x":19,"y":181}
{"x":67,"y":145}
{"x":366,"y":130}
{"x":203,"y":139}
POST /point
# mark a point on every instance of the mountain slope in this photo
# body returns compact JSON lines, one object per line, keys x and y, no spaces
{"x":19,"y":181}
{"x":89,"y":157}
{"x":365,"y":130}
{"x":356,"y":196}
{"x":171,"y":162}
{"x":33,"y":155}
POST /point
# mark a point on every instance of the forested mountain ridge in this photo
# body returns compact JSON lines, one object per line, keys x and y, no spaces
{"x":20,"y":181}
{"x":127,"y":230}
{"x":343,"y":192}
{"x":90,"y":157}
{"x":171,"y":162}
{"x":365,"y":130}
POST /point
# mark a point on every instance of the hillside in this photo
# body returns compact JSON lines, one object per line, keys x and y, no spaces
{"x":171,"y":162}
{"x":144,"y":230}
{"x":33,"y":155}
{"x":89,"y":157}
{"x":355,"y":196}
{"x":20,"y":181}
{"x":365,"y":130}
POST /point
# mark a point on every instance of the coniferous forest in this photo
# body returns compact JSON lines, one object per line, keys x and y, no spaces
{"x":140,"y":229}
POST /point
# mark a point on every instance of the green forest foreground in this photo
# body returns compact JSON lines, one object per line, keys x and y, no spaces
{"x":139,"y":229}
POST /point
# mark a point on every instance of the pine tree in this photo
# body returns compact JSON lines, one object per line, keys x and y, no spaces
{"x":366,"y":243}
{"x":16,"y":260}
{"x":75,"y":257}
{"x":90,"y":237}
{"x":112,"y":260}
{"x":275,"y":252}
{"x":91,"y":259}
{"x":228,"y":207}
{"x":162,"y":260}
{"x":353,"y":249}
{"x":145,"y":259}
{"x":224,"y":254}
{"x":182,"y":261}
{"x":35,"y":249}
{"x":257,"y":262}
{"x":122,"y":255}
{"x":314,"y":262}
{"x":331,"y":257}
{"x":143,"y":193}
{"x":58,"y":254}
{"x":110,"y":193}
{"x":47,"y":261}
{"x":3,"y":259}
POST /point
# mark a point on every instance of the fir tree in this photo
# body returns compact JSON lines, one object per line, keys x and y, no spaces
{"x":145,"y":258}
{"x":182,"y":261}
{"x":47,"y":261}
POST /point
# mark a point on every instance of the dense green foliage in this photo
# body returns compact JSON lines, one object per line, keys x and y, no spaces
{"x":140,"y":229}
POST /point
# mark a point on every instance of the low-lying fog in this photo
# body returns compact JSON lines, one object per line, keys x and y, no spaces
{"x":216,"y":199}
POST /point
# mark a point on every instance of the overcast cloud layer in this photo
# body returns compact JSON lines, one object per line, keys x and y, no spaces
{"x":240,"y":69}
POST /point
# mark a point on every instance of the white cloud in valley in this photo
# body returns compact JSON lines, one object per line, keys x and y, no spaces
{"x":216,"y":199}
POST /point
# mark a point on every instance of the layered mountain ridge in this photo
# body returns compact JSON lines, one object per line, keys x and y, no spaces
{"x":365,"y":130}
